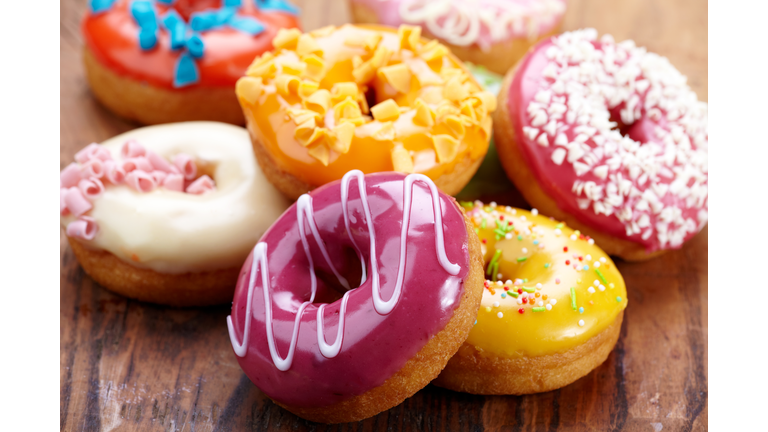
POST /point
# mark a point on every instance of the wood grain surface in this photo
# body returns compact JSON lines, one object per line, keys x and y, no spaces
{"x":128,"y":366}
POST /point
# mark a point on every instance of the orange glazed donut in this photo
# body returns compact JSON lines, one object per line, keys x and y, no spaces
{"x":363,"y":97}
{"x":551,"y":310}
{"x":609,"y":138}
{"x":162,"y":61}
{"x":167,"y":214}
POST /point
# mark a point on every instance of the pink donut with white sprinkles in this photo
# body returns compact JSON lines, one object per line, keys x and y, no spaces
{"x":610,"y":138}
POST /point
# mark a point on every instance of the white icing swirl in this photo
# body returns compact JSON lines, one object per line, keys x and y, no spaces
{"x":304,"y":209}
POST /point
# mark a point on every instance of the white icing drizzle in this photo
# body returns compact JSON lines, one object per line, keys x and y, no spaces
{"x":460,"y":22}
{"x":304,"y":209}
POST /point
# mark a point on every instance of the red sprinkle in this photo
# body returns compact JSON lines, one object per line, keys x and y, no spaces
{"x":519,"y":290}
{"x":485,"y":241}
{"x":501,"y":217}
{"x":521,"y":310}
{"x":525,"y":300}
{"x":565,"y":249}
{"x":567,"y":262}
{"x":580,"y":258}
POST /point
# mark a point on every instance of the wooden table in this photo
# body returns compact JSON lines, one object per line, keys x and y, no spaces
{"x":132,"y":366}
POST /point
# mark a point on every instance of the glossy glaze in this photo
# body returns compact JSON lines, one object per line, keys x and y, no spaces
{"x":112,"y":38}
{"x":275,"y":130}
{"x":536,"y":333}
{"x":375,"y":345}
{"x":674,"y":210}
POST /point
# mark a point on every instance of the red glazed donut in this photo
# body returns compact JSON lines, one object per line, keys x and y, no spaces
{"x":375,"y":345}
{"x":609,"y":138}
{"x":161,"y":61}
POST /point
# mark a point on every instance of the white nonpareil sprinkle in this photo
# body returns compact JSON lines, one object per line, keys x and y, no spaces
{"x":508,"y":236}
{"x":601,"y":287}
{"x":540,"y":303}
{"x":588,"y":257}
{"x":495,"y":304}
{"x":500,"y":315}
{"x":581,"y":323}
{"x":573,"y":237}
{"x":553,"y":301}
{"x":658,"y":190}
{"x":591,"y":290}
{"x":591,"y":241}
{"x":597,"y":264}
{"x":535,"y":212}
{"x":549,"y":307}
{"x":538,"y":286}
{"x":519,"y":300}
{"x":558,"y":231}
{"x":525,"y":251}
{"x":602,"y":260}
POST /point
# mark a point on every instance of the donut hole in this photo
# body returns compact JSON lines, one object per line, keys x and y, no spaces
{"x":329,"y":289}
{"x":205,"y":167}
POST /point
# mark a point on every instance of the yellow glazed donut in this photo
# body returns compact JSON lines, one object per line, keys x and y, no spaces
{"x":551,"y":310}
{"x":363,"y":97}
{"x":167,"y":214}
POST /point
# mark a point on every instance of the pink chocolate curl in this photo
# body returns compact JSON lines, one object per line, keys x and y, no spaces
{"x":186,"y":165}
{"x":174,"y":182}
{"x":157,"y":161}
{"x":70,"y":175}
{"x":102,"y":154}
{"x":84,"y":228}
{"x":62,"y":203}
{"x":159,"y":176}
{"x":114,"y":173}
{"x":137,"y":163}
{"x":92,"y":168}
{"x":132,"y":149}
{"x":87,"y":153}
{"x":201,"y":185}
{"x":76,"y":202}
{"x":140,"y":181}
{"x":92,"y":188}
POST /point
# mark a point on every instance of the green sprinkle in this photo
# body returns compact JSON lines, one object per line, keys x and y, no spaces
{"x":525,"y":280}
{"x":482,"y":224}
{"x":600,"y":275}
{"x":493,"y":262}
{"x":546,"y":265}
{"x":513,"y":294}
{"x":519,"y":237}
{"x":539,"y":309}
{"x":500,"y":233}
{"x":466,"y":204}
{"x":495,"y":271}
{"x":618,"y":299}
{"x":477,"y":230}
{"x":573,"y":298}
{"x":521,"y":259}
{"x":529,"y":289}
{"x":488,"y":209}
{"x":560,"y":225}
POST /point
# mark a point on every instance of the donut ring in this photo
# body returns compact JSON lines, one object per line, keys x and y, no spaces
{"x":551,"y":311}
{"x":638,"y":194}
{"x":136,"y":233}
{"x":157,"y":62}
{"x":307,"y":108}
{"x":495,"y":34}
{"x":418,"y":296}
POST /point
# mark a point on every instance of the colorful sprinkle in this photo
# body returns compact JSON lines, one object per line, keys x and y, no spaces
{"x":581,"y":323}
{"x":521,"y":259}
{"x":573,"y":298}
{"x":503,"y":295}
{"x":539,"y":309}
{"x":600,"y":275}
{"x":521,"y":310}
{"x":581,"y":310}
{"x":513,"y":294}
{"x":549,"y":307}
{"x":500,"y":315}
{"x":586,"y":267}
{"x":618,"y":299}
{"x":529,"y":289}
{"x":546,"y":265}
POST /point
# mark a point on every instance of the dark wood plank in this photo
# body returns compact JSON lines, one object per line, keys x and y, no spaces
{"x":130,"y":366}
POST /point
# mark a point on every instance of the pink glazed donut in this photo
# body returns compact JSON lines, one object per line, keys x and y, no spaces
{"x":608,"y":138}
{"x":333,"y":354}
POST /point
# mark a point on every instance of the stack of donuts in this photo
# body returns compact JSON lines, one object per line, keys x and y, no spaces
{"x":329,"y":221}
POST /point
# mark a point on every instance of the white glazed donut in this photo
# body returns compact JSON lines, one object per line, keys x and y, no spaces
{"x":179,"y":237}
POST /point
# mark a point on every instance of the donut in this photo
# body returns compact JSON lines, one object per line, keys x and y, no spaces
{"x":551,"y":310}
{"x":370,"y":98}
{"x":608,"y":138}
{"x":333,"y":354}
{"x":168,"y":214}
{"x":162,"y":61}
{"x":492,"y":33}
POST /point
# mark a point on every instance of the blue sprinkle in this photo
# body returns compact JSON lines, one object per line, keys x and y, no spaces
{"x":248,"y":25}
{"x":618,"y":299}
{"x":147,"y":38}
{"x":232,"y":3}
{"x":586,"y":267}
{"x":195,"y":46}
{"x":202,"y":21}
{"x":475,"y":321}
{"x":175,"y":25}
{"x":280,"y":5}
{"x":581,"y":310}
{"x":535,"y":242}
{"x":144,"y":14}
{"x":224,"y":15}
{"x":98,"y":6}
{"x":503,"y":295}
{"x":167,"y":2}
{"x":186,"y":71}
